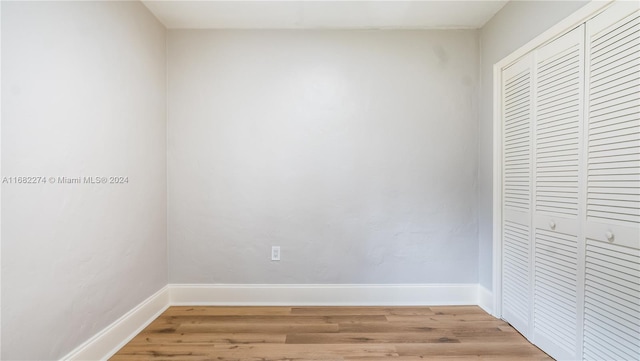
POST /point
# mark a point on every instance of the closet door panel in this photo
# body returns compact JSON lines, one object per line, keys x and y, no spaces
{"x":555,"y":289}
{"x":612,"y":302}
{"x":556,"y":293}
{"x":516,"y":284}
{"x":559,"y":108}
{"x":517,"y":194}
{"x":559,"y":69}
{"x":571,"y":124}
{"x":517,"y":137}
{"x":612,"y":228}
{"x":613,"y":164}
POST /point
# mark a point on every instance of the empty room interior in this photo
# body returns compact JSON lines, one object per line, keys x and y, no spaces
{"x":320,"y":180}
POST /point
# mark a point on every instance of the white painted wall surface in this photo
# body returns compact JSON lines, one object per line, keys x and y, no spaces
{"x":354,"y":151}
{"x":83,"y":94}
{"x":513,"y":26}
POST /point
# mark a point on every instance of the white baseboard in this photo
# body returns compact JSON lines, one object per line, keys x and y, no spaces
{"x":108,"y":341}
{"x":324,"y":294}
{"x":485,"y":299}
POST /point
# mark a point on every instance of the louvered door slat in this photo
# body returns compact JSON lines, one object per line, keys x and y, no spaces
{"x":614,"y":313}
{"x":608,"y":345}
{"x":622,"y":197}
{"x":609,"y":123}
{"x":607,"y":316}
{"x":518,"y":101}
{"x":623,"y":176}
{"x":614,"y":110}
{"x":600,"y":275}
{"x":622,"y":30}
{"x":557,"y":95}
{"x":613,"y":88}
{"x":517,"y":129}
{"x":521,"y":119}
{"x":556,"y":132}
{"x":629,"y":100}
{"x":621,"y":35}
{"x":622,"y":95}
{"x":593,"y":355}
{"x":627,"y":136}
{"x":620,"y":56}
{"x":614,"y":165}
{"x":555,"y":118}
{"x":628,"y":147}
{"x":562,"y":124}
{"x":629,"y":205}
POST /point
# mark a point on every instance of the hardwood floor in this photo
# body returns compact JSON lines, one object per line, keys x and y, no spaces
{"x":328,"y":333}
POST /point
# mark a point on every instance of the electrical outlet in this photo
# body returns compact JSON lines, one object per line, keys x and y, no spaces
{"x":275,"y":253}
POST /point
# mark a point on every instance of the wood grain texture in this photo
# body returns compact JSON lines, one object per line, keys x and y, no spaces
{"x":328,"y":333}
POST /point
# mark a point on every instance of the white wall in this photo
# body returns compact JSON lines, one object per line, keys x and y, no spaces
{"x":355,"y":151}
{"x":512,"y":27}
{"x":83,"y":94}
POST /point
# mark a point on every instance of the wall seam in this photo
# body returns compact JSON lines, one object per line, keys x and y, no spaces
{"x":166,"y":148}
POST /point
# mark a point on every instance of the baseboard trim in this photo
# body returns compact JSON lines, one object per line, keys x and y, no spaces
{"x":108,"y":341}
{"x":111,"y":339}
{"x":485,"y":299}
{"x":324,"y":294}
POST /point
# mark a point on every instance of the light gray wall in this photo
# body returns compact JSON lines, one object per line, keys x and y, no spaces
{"x":355,"y":151}
{"x":513,"y":26}
{"x":83,"y":94}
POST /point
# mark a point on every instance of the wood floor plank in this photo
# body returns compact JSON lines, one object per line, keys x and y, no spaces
{"x":356,"y":318}
{"x":468,"y":349}
{"x":379,"y":337}
{"x":204,"y":338}
{"x":258,"y":328}
{"x":328,"y":333}
{"x":452,"y":358}
{"x":268,"y":351}
{"x":160,"y":326}
{"x":439,"y":317}
{"x":456,"y":310}
{"x":416,"y":326}
{"x":276,"y":319}
{"x":446,"y":322}
{"x":508,"y":338}
{"x":226,"y":311}
{"x":339,"y":311}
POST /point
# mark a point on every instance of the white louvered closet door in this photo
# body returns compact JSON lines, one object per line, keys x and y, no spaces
{"x":517,"y":160}
{"x":557,"y":147}
{"x":612,"y":285}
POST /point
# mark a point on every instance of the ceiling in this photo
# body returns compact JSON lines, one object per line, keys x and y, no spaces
{"x":323,"y":14}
